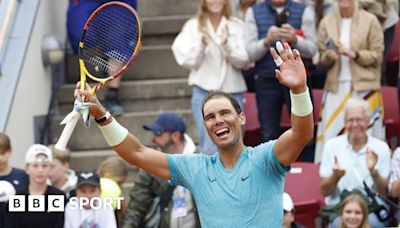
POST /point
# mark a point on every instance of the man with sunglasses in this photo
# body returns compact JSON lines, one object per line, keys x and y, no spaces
{"x":169,"y":136}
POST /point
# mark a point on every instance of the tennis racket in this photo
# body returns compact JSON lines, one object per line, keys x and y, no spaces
{"x":109,"y":43}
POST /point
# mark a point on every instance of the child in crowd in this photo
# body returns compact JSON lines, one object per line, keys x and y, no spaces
{"x":88,"y":186}
{"x":61,"y":176}
{"x":12,"y":179}
{"x":38,"y":160}
{"x":354,"y":212}
{"x":113,"y":172}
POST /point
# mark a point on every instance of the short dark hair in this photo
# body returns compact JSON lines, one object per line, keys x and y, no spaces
{"x":5,"y":143}
{"x":217,"y":94}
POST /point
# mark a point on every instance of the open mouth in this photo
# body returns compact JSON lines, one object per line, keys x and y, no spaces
{"x":223,"y":131}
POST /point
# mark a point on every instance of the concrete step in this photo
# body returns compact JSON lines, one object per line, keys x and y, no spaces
{"x":152,"y":105}
{"x":152,"y":62}
{"x":162,"y":25}
{"x":149,"y":8}
{"x":91,"y":138}
{"x":137,"y":90}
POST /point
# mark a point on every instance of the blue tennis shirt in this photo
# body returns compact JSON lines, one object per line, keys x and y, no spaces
{"x":249,"y":195}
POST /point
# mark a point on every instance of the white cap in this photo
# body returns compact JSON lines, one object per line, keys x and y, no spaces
{"x":6,"y":190}
{"x":287,"y":202}
{"x":35,"y":150}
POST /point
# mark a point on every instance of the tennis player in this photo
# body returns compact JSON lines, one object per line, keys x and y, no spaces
{"x":239,"y":186}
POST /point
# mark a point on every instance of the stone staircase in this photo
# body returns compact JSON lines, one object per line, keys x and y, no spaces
{"x":154,"y":83}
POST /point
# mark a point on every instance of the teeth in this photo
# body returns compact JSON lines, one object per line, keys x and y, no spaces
{"x":221,"y":130}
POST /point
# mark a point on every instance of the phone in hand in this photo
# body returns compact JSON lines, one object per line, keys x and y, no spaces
{"x":330,"y":44}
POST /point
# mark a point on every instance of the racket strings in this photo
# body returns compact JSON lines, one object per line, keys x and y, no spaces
{"x":110,"y":40}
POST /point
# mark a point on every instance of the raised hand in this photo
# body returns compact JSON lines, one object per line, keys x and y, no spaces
{"x":337,"y":170}
{"x":225,"y":34}
{"x":292,"y":72}
{"x":371,"y":159}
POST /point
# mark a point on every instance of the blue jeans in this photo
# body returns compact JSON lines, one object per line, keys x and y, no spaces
{"x":198,"y":94}
{"x":270,"y":95}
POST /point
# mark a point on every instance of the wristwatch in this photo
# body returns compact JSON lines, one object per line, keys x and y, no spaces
{"x":103,"y":118}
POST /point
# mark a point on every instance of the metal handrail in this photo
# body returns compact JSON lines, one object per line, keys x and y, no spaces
{"x":6,"y":23}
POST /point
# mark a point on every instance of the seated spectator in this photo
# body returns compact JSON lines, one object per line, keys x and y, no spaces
{"x":38,"y":160}
{"x":354,"y":212}
{"x":113,"y":172}
{"x":61,"y":176}
{"x":353,"y":158}
{"x":15,"y":177}
{"x":288,"y":213}
{"x":149,"y":191}
{"x":88,"y":186}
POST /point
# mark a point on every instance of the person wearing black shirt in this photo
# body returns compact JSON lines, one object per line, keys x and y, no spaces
{"x":38,"y":161}
{"x":13,"y":179}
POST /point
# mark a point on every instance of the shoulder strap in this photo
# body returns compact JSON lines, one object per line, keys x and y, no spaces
{"x":165,"y":198}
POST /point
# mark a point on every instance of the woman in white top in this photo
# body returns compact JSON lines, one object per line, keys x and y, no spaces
{"x":211,"y":46}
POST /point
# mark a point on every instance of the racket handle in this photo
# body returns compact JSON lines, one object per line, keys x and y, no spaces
{"x":67,"y":132}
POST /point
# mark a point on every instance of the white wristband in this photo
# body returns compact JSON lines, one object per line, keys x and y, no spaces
{"x":301,"y":103}
{"x":114,"y":133}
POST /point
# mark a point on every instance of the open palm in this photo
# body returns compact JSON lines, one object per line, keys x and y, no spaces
{"x":292,"y":72}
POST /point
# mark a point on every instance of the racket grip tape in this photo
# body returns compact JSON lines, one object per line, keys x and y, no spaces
{"x":67,"y":132}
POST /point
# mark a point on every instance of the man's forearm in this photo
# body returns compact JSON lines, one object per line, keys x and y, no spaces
{"x":328,"y":185}
{"x":380,"y":183}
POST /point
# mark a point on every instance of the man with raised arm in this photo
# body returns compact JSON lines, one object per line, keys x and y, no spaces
{"x":239,"y":186}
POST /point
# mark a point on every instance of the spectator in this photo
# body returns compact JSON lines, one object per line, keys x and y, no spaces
{"x":113,"y":172}
{"x":238,"y":186}
{"x":394,"y":180}
{"x":61,"y":176}
{"x":38,"y":160}
{"x":288,"y":213}
{"x":78,"y":13}
{"x":211,"y":46}
{"x":353,"y":158}
{"x":9,"y":175}
{"x":267,"y":23}
{"x":179,"y":209}
{"x":88,"y":186}
{"x":352,"y":54}
{"x":354,"y":212}
{"x":240,"y":7}
{"x":387,"y":16}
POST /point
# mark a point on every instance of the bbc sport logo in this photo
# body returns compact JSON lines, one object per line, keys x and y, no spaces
{"x":56,"y":203}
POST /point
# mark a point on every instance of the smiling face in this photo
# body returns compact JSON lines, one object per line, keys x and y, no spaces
{"x":356,"y":123}
{"x":223,"y":123}
{"x":352,"y":215}
{"x":214,"y":6}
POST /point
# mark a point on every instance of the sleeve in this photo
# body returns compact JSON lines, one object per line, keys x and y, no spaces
{"x":325,"y":169}
{"x":254,"y":47}
{"x":394,"y":168}
{"x":308,"y":45}
{"x":184,"y":168}
{"x":384,"y":160}
{"x":234,"y":49}
{"x":109,"y":220}
{"x":187,"y":46}
{"x":324,"y":60}
{"x":141,"y":198}
{"x":374,"y":54}
{"x":264,"y":156}
{"x":68,"y":218}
